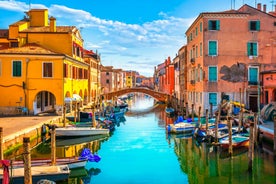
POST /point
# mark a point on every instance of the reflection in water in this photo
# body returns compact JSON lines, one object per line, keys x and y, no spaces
{"x":207,"y":164}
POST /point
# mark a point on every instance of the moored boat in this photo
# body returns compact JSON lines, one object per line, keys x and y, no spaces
{"x":80,"y":131}
{"x":180,"y":128}
{"x":52,"y":173}
{"x":237,"y":141}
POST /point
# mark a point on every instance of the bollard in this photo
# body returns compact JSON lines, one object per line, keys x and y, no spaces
{"x":1,"y":146}
{"x":240,"y":113}
{"x":27,"y":159}
{"x":53,"y":146}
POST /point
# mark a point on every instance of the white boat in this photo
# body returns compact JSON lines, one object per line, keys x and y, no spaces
{"x":80,"y":131}
{"x":72,"y":162}
{"x":180,"y":128}
{"x":52,"y":173}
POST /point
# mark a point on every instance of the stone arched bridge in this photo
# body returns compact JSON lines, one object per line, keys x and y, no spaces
{"x":163,"y":97}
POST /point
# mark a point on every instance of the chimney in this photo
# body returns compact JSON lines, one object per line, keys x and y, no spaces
{"x":275,"y":8}
{"x":53,"y":27}
{"x":259,"y":6}
{"x":264,"y":8}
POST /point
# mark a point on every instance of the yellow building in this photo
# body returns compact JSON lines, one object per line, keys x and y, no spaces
{"x":42,"y":66}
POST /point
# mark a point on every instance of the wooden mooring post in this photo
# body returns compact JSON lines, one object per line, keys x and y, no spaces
{"x":1,"y":146}
{"x":64,"y":114}
{"x":199,"y":114}
{"x":27,"y":159}
{"x":251,"y":146}
{"x":217,"y":122}
{"x":193,"y":112}
{"x":207,"y":121}
{"x":274,"y":140}
{"x":53,"y":146}
{"x":229,"y":122}
{"x":187,"y":111}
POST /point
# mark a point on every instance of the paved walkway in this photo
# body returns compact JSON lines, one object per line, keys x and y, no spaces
{"x":13,"y":125}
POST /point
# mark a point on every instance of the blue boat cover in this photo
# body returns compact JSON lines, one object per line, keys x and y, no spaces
{"x":87,"y":154}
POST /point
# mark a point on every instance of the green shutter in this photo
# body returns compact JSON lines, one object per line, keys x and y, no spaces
{"x":16,"y":69}
{"x":209,"y":25}
{"x":258,"y":25}
{"x":200,"y":26}
{"x":254,"y":45}
{"x":253,"y":74}
{"x":248,"y":49}
{"x":213,"y":98}
{"x":217,"y":25}
{"x":212,"y":73}
{"x":212,"y":48}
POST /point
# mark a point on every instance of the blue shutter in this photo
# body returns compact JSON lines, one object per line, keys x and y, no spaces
{"x":254,"y":45}
{"x":248,"y":49}
{"x":217,"y":25}
{"x":253,"y":75}
{"x":212,"y":73}
{"x":213,"y":98}
{"x":258,"y":25}
{"x":212,"y":48}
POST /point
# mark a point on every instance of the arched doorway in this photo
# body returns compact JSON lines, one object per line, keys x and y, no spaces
{"x":45,"y":101}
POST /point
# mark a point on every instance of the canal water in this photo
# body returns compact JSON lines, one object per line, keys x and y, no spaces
{"x":140,"y":152}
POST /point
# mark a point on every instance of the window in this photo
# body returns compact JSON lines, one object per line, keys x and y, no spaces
{"x":200,"y":49}
{"x":47,"y":69}
{"x":196,"y":31}
{"x":253,"y":76}
{"x":213,"y":98}
{"x":214,"y":25}
{"x":212,"y":48}
{"x":254,"y":25}
{"x":16,"y":68}
{"x":252,"y":49}
{"x":200,"y":26}
{"x":107,"y":73}
{"x":107,"y":81}
{"x":212,"y":73}
{"x":65,"y":70}
{"x":196,"y":51}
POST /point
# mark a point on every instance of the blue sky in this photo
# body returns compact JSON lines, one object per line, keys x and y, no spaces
{"x":128,"y":34}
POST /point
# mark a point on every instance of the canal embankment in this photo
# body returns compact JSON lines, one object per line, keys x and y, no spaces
{"x":15,"y":128}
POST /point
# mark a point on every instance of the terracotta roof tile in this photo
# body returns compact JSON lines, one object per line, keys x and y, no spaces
{"x":27,"y":49}
{"x":60,"y":29}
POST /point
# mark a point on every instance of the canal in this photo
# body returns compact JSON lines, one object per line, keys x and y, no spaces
{"x":140,"y":152}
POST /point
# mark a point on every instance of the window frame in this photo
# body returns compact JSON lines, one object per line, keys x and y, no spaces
{"x":213,"y":25}
{"x":249,"y":76}
{"x":50,"y":73}
{"x":17,"y":70}
{"x":209,"y":76}
{"x":251,"y":50}
{"x":256,"y":24}
{"x":211,"y":49}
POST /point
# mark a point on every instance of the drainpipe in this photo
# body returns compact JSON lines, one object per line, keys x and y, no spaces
{"x":25,"y":84}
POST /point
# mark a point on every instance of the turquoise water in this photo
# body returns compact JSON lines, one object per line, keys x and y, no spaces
{"x":140,"y":152}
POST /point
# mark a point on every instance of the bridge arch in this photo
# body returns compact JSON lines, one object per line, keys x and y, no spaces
{"x":163,"y":97}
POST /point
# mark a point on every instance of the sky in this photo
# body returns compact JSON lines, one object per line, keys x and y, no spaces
{"x":132,"y":35}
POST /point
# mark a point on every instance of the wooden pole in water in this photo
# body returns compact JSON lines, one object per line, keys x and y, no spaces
{"x":192,"y":112}
{"x":64,"y":113}
{"x":27,"y":159}
{"x":240,"y":113}
{"x":274,"y":147}
{"x":93,"y":117}
{"x":199,"y":114}
{"x":78,"y":112}
{"x":207,"y":121}
{"x":187,"y":110}
{"x":217,"y":122}
{"x":53,"y":145}
{"x":75,"y":112}
{"x":251,"y":147}
{"x":211,"y":110}
{"x":1,"y":146}
{"x":230,"y":121}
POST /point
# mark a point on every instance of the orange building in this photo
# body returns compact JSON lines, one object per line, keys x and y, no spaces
{"x":226,"y":52}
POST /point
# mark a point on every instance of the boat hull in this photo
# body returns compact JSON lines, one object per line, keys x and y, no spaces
{"x":80,"y":131}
